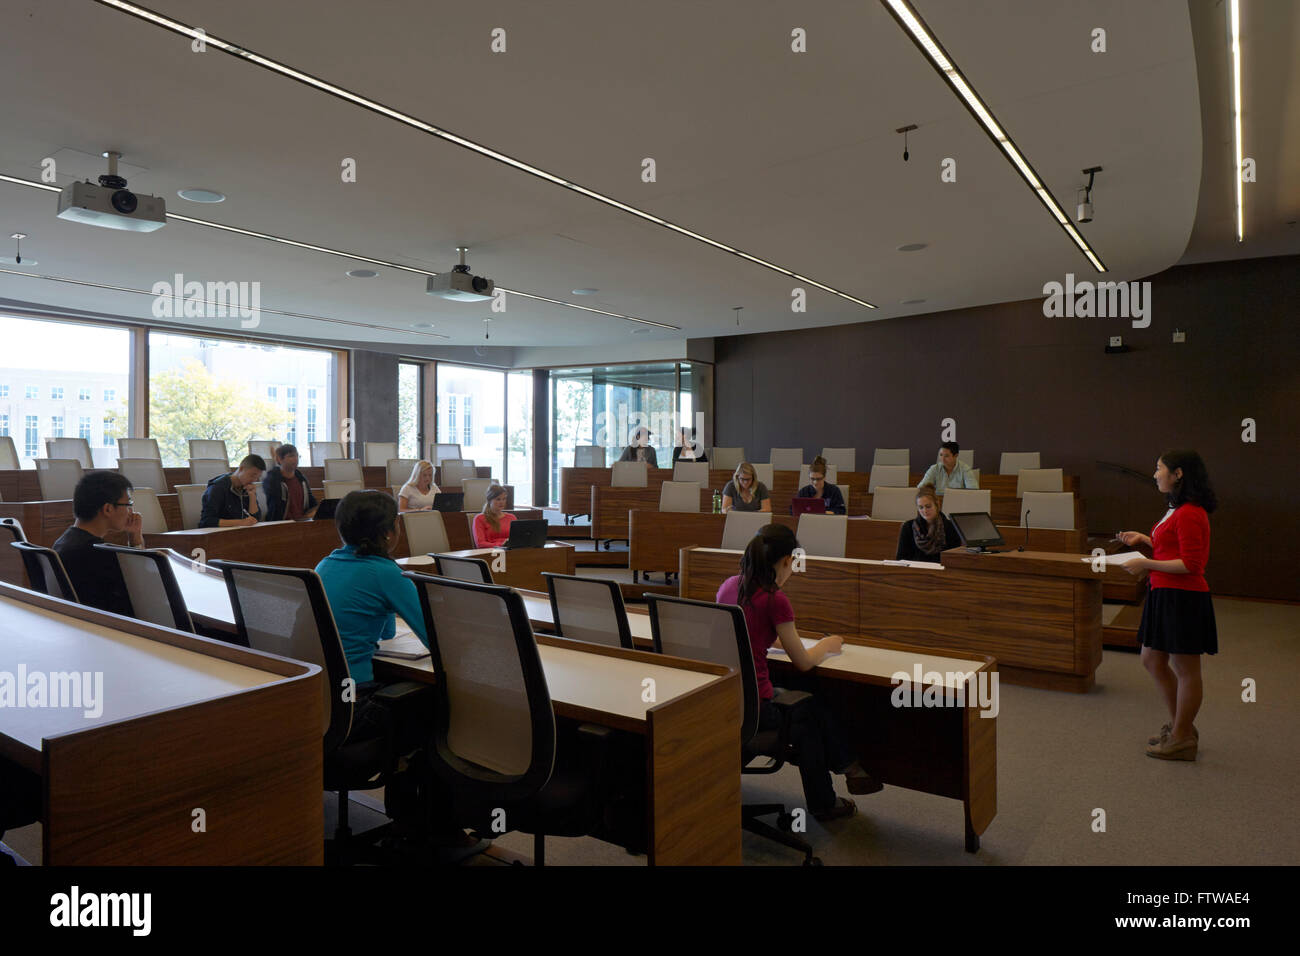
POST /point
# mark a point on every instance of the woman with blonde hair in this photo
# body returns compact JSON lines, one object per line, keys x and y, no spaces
{"x":492,"y":527}
{"x":744,"y":492}
{"x":417,"y":494}
{"x":929,"y":534}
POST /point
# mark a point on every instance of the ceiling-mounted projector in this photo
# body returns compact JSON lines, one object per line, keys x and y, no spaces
{"x":110,"y":204}
{"x":458,"y":284}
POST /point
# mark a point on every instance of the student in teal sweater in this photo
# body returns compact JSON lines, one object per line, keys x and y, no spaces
{"x":364,"y":585}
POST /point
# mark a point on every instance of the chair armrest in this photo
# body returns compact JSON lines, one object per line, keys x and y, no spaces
{"x":400,"y":691}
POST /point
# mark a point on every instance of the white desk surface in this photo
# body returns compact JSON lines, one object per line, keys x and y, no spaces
{"x":914,"y":565}
{"x":140,"y":676}
{"x":204,"y":590}
{"x":885,"y":662}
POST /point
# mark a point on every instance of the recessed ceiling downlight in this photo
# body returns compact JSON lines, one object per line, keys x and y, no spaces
{"x":912,"y":246}
{"x":912,"y":301}
{"x":585,"y":291}
{"x":202,"y":195}
{"x":421,"y":325}
{"x":362,"y":273}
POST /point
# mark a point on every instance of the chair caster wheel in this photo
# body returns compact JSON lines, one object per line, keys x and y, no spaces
{"x":813,"y":861}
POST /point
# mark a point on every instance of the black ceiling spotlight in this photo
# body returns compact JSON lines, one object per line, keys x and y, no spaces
{"x":1084,"y":212}
{"x":905,"y":130}
{"x":18,"y":238}
{"x":737,"y":309}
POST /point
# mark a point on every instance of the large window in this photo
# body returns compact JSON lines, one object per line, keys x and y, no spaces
{"x":408,"y":410}
{"x":478,"y":394}
{"x":217,"y":389}
{"x":519,"y":429}
{"x":52,"y":365}
{"x":83,"y":427}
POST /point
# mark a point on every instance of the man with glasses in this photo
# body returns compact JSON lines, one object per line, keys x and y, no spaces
{"x":102,"y":504}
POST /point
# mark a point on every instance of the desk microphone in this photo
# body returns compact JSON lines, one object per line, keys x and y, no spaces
{"x":1026,"y":544}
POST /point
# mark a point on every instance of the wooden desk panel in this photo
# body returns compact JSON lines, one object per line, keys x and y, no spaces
{"x":610,"y":507}
{"x":289,"y":544}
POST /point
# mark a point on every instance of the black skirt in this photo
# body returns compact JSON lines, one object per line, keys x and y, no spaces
{"x":1179,"y":622}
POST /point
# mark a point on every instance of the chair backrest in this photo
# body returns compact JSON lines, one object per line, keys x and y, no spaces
{"x":139,"y":448}
{"x":454,"y":471}
{"x":78,"y":449}
{"x":209,"y":448}
{"x":765,"y":473}
{"x":399,"y":470}
{"x":190,"y":499}
{"x":967,"y":456}
{"x":823,"y":536}
{"x":151,"y":586}
{"x":153,"y":521}
{"x":475,"y":493}
{"x":8,"y":453}
{"x":713,"y":633}
{"x":589,"y":456}
{"x":494,"y":727}
{"x":892,"y":456}
{"x":832,"y":474}
{"x":265,"y":448}
{"x":786,"y":459}
{"x":894,"y":504}
{"x":203,"y":470}
{"x":425,"y":532}
{"x":285,"y":611}
{"x":1047,"y":509}
{"x":144,"y":473}
{"x":1013,"y":461}
{"x":1039,"y":479}
{"x":893,"y":476}
{"x":727,"y":458}
{"x":13,"y":528}
{"x":588,"y":609}
{"x":323,"y":451}
{"x":343,"y":469}
{"x":740,"y":527}
{"x":680,"y":496}
{"x":463,"y":569}
{"x":696,"y":471}
{"x":630,"y":474}
{"x":438,"y":452}
{"x":396,"y":490}
{"x":846,"y":458}
{"x":959,"y":500}
{"x":378,"y":452}
{"x":58,"y":477}
{"x":341,"y":488}
{"x":45,"y":571}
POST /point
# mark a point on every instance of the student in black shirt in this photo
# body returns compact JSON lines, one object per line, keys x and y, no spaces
{"x":102,"y":503}
{"x":689,"y":449}
{"x":819,"y":487}
{"x":231,"y":500}
{"x":929,"y":534}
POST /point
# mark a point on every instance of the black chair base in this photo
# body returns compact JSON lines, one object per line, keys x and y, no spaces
{"x":749,"y":814}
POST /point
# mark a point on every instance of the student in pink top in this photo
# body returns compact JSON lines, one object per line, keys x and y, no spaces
{"x":765,"y":566}
{"x":492,"y":527}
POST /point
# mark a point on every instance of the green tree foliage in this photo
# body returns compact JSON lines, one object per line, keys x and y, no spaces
{"x":190,"y":402}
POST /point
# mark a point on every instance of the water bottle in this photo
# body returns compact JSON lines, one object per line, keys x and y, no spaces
{"x":717,"y":502}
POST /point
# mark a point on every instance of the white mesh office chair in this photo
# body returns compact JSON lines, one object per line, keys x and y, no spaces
{"x":8,"y":453}
{"x":1013,"y":461}
{"x":1047,"y":509}
{"x":846,"y":458}
{"x":890,"y":476}
{"x":963,"y":500}
{"x":476,"y":490}
{"x":209,"y":448}
{"x":77,"y":449}
{"x":589,"y":456}
{"x":823,"y":536}
{"x":740,"y":527}
{"x":1039,"y":479}
{"x":786,"y":459}
{"x":892,"y":456}
{"x":377,"y":453}
{"x":58,"y":477}
{"x":455,"y":471}
{"x":343,"y":469}
{"x":139,"y":448}
{"x":727,"y":458}
{"x":630,"y":474}
{"x":323,"y":451}
{"x":894,"y":504}
{"x":425,"y":532}
{"x":398,"y":470}
{"x":440,"y":452}
{"x":203,"y":470}
{"x":143,"y":473}
{"x":680,"y":496}
{"x":341,"y":488}
{"x":151,"y":586}
{"x":264,"y":449}
{"x":460,"y":568}
{"x":696,"y":471}
{"x":588,"y":609}
{"x":45,"y":571}
{"x":765,"y":473}
{"x":150,"y":511}
{"x":190,"y":499}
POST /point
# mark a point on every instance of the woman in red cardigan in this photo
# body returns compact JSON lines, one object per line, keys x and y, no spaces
{"x":1178,"y":620}
{"x":492,"y":527}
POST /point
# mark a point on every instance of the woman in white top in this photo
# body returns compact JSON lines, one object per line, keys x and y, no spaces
{"x":417,"y":494}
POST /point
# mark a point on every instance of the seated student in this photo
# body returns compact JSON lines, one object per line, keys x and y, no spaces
{"x":929,"y":534}
{"x":231,"y":500}
{"x":949,"y":471}
{"x":640,"y":449}
{"x":102,"y":503}
{"x":764,"y":567}
{"x":288,"y":495}
{"x":689,"y":449}
{"x":492,"y":528}
{"x":419,"y":491}
{"x":744,"y":492}
{"x":819,"y":487}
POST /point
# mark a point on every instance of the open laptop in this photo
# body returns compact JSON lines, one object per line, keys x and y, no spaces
{"x":807,"y":506}
{"x":977,"y":530}
{"x":529,"y":533}
{"x":325,"y":510}
{"x":449,"y":501}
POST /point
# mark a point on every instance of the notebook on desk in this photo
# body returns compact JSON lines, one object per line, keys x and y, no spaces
{"x":404,"y":645}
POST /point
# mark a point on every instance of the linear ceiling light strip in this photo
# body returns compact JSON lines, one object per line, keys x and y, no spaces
{"x":921,"y":35}
{"x":1234,"y":26}
{"x":352,"y":255}
{"x":406,"y":119}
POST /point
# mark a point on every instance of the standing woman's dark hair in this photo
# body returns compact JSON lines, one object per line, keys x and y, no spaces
{"x":365,"y":519}
{"x":1195,"y":483}
{"x":758,"y":564}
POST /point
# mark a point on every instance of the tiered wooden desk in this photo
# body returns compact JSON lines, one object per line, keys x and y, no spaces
{"x":187,"y":724}
{"x":523,"y":566}
{"x":1038,"y":613}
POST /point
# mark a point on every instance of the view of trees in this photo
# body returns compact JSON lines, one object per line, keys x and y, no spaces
{"x":190,"y":403}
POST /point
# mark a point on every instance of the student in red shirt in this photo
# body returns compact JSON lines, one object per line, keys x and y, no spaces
{"x":765,"y":566}
{"x":1178,"y":620}
{"x":492,"y":527}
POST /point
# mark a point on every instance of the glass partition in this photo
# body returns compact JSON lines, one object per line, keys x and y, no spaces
{"x":471,"y":413}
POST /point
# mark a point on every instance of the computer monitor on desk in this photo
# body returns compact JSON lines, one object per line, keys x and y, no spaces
{"x":977,"y":530}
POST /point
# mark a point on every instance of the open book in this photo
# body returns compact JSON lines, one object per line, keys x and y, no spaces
{"x":1119,"y":560}
{"x":404,"y":645}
